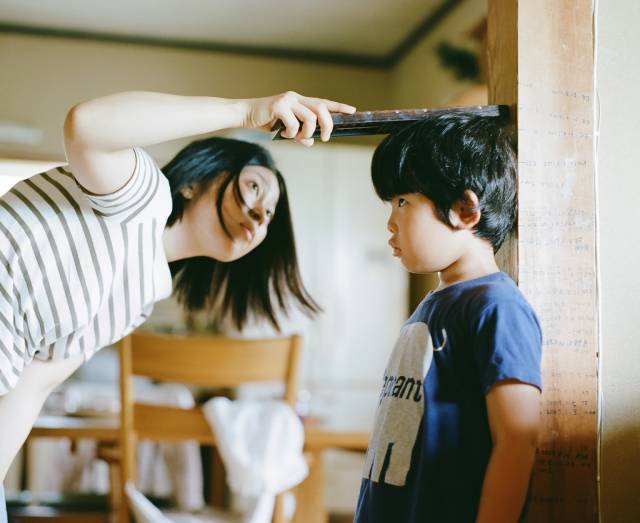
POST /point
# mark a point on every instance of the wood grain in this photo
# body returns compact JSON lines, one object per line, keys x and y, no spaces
{"x":541,"y":56}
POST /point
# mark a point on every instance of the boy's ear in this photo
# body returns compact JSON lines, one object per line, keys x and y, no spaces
{"x":465,"y":213}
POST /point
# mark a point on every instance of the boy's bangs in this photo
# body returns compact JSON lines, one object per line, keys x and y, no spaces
{"x":391,"y":168}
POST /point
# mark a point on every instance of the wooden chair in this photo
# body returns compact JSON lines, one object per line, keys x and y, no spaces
{"x":210,"y":361}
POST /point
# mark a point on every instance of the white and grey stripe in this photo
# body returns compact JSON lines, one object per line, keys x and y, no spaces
{"x":77,"y":270}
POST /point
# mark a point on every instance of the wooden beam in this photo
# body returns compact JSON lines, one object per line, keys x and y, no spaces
{"x":541,"y":58}
{"x":502,"y":65}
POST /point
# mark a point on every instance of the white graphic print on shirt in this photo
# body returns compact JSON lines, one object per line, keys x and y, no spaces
{"x":400,"y":408}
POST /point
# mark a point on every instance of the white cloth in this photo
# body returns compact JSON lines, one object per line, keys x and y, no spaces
{"x":260,"y":443}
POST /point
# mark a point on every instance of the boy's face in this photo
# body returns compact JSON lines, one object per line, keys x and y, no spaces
{"x":419,"y":238}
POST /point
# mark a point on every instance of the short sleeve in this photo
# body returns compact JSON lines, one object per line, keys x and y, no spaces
{"x":134,"y":196}
{"x":508,"y":344}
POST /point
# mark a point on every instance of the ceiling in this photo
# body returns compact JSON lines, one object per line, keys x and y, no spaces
{"x":370,"y":29}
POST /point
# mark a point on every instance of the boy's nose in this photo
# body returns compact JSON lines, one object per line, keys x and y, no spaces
{"x":391,"y":226}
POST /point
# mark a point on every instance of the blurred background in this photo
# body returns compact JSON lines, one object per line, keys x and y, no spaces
{"x":374,"y":54}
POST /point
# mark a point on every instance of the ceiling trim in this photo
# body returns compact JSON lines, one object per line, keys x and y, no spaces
{"x":389,"y":60}
{"x":194,"y":45}
{"x":428,"y":24}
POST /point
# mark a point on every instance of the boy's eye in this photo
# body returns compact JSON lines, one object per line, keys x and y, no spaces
{"x":401,"y":202}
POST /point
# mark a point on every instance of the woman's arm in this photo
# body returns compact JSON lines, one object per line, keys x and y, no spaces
{"x":514,"y":418}
{"x":99,"y":134}
{"x":20,"y":407}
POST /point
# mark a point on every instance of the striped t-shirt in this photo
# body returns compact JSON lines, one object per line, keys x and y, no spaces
{"x":78,"y":271}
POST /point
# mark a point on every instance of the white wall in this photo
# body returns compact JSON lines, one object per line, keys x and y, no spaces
{"x":12,"y":171}
{"x":618,"y":78}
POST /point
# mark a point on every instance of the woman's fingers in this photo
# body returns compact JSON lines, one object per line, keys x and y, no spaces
{"x":291,"y":123}
{"x":322,"y":110}
{"x":299,"y":115}
{"x":308,"y":119}
{"x":337,"y":107}
{"x":307,"y":142}
{"x":325,"y":121}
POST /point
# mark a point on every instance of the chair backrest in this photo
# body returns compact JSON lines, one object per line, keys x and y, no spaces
{"x":213,"y":361}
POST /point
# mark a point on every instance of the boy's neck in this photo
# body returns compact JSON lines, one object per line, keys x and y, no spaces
{"x":478,"y":261}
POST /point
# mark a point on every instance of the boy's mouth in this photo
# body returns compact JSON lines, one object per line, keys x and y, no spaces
{"x":396,"y":250}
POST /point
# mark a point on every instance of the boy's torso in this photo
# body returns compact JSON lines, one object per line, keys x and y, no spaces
{"x":431,"y":440}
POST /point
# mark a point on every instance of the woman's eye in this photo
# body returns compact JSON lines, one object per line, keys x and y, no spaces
{"x":269,"y":214}
{"x":401,"y":202}
{"x":254,"y":187}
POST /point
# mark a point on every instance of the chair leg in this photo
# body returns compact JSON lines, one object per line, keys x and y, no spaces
{"x":218,"y":480}
{"x":310,"y":494}
{"x":278,"y":511}
{"x":111,"y":454}
{"x":115,"y":489}
{"x":123,"y":513}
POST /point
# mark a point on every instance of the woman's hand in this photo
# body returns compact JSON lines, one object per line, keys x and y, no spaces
{"x":299,"y":114}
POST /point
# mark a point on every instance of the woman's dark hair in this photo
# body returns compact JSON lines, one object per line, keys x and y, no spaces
{"x":260,"y":282}
{"x":444,"y":155}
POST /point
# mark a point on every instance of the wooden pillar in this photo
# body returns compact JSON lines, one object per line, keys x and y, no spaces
{"x":541,"y":62}
{"x":502,"y":65}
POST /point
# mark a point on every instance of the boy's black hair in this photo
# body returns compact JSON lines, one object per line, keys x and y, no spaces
{"x":444,"y":155}
{"x":260,"y":282}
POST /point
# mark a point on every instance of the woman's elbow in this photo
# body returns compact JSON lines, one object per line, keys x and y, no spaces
{"x":75,"y":124}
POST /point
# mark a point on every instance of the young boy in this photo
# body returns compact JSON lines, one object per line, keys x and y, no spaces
{"x":457,"y":421}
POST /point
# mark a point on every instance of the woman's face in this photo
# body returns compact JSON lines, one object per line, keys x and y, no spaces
{"x":246,"y":222}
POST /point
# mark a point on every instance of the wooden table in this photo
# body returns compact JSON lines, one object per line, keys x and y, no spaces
{"x":310,"y":494}
{"x":104,"y":430}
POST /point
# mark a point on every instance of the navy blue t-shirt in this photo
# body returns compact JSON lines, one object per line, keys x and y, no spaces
{"x":431,"y":441}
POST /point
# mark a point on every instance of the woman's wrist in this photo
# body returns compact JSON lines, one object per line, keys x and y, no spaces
{"x":222,"y":113}
{"x":242,"y":107}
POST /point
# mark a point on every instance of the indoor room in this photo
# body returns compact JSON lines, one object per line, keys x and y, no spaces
{"x":242,"y":371}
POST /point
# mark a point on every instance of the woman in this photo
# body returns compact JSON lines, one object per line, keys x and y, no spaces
{"x":85,"y":252}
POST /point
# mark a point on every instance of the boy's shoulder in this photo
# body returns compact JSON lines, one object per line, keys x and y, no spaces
{"x":472,"y":299}
{"x":494,"y":292}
